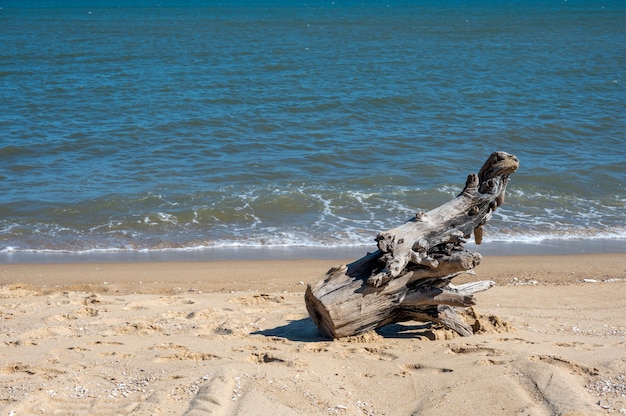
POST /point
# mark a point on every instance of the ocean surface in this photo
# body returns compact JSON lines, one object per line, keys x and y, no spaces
{"x":198,"y":126}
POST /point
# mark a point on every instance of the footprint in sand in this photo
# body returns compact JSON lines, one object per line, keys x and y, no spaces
{"x":19,"y":343}
{"x":137,"y":328}
{"x":16,"y":368}
{"x":181,"y":353}
{"x":261,"y":298}
{"x":474,"y":349}
{"x":161,"y":301}
{"x":61,"y":318}
{"x":516,"y":340}
{"x":234,"y":327}
{"x":265,"y":357}
{"x":47,"y":373}
{"x":377,"y":353}
{"x":311,"y":348}
{"x":578,"y":345}
{"x":106,"y":343}
{"x":566,"y":364}
{"x":88,"y":311}
{"x":426,"y":368}
{"x":94,"y":299}
{"x":116,"y":354}
{"x":492,"y":362}
{"x":50,"y":332}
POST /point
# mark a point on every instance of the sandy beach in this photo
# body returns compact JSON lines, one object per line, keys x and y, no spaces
{"x":234,"y":338}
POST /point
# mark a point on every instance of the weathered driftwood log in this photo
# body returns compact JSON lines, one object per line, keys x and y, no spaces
{"x":408,"y":277}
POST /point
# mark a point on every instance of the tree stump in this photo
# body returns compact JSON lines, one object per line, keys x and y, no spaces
{"x":409,"y":277}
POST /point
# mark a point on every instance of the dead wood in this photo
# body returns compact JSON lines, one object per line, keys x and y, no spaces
{"x":408,"y":277}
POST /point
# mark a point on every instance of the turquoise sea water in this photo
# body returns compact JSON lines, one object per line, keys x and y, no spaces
{"x":157,"y":127}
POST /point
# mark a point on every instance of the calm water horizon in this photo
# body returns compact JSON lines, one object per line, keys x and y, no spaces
{"x":194,"y":127}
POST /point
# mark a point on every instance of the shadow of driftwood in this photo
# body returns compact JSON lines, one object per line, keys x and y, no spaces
{"x":302,"y":330}
{"x":407,"y":331}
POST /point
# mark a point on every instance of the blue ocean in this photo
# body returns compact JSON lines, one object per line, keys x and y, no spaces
{"x":165,"y":127}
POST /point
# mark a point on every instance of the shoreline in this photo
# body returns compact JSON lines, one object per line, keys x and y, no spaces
{"x":284,"y":275}
{"x":494,"y":248}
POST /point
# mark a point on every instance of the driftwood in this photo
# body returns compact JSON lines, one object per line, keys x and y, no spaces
{"x":408,"y":277}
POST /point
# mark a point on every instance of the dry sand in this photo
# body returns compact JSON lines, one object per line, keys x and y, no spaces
{"x":234,"y":338}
